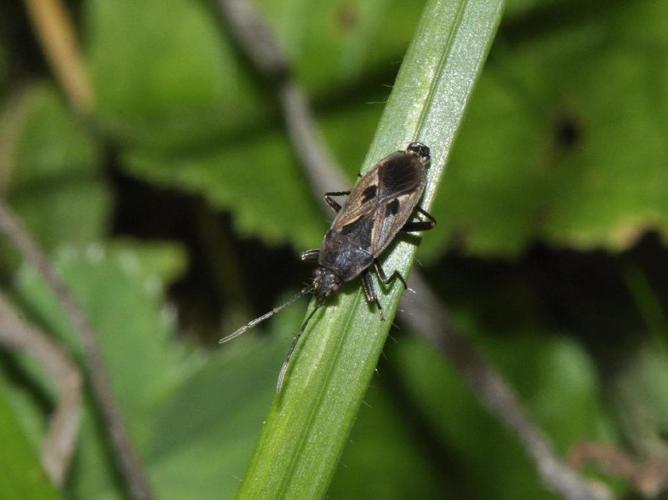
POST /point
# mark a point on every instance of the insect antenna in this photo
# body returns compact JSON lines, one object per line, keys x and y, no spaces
{"x":267,"y":315}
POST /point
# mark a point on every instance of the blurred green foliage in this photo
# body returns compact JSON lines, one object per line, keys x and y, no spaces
{"x":22,"y":475}
{"x":584,"y":110}
{"x":180,"y":404}
{"x":52,"y":172}
{"x":555,"y":180}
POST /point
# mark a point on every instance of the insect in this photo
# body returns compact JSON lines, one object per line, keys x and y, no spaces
{"x":383,"y":203}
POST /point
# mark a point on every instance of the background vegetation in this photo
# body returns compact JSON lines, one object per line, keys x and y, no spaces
{"x":179,"y":213}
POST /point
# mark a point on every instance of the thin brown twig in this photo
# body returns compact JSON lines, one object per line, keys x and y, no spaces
{"x":258,"y":43}
{"x":649,"y":477}
{"x":63,"y":428}
{"x":59,"y":42}
{"x":426,"y":315}
{"x":125,"y":455}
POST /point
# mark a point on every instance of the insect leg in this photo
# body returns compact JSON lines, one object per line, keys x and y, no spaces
{"x":370,"y":292}
{"x":427,"y":215}
{"x":410,"y":227}
{"x":310,"y":255}
{"x":332,"y":203}
{"x":420,"y":225}
{"x":384,"y":278}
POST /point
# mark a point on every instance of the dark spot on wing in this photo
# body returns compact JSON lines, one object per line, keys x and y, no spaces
{"x":400,"y":173}
{"x":393,"y":207}
{"x":369,"y":193}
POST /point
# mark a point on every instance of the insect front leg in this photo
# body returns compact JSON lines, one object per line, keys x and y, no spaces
{"x":333,"y":203}
{"x":310,"y":255}
{"x":420,"y":225}
{"x":370,"y":292}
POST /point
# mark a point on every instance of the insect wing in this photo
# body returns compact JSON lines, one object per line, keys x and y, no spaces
{"x":402,"y":180}
{"x":362,"y":201}
{"x":392,"y":215}
{"x":382,"y":202}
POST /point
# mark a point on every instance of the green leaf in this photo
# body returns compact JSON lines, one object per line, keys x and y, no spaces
{"x":339,"y":42}
{"x":565,"y":139}
{"x":191,"y":415}
{"x":125,"y":305}
{"x":204,"y":434}
{"x":239,"y":176}
{"x":53,"y":178}
{"x":21,"y":475}
{"x":639,"y":399}
{"x":166,"y":77}
{"x":211,"y":143}
{"x":146,"y":364}
{"x":165,"y":260}
{"x":557,"y":382}
{"x":308,"y":426}
{"x":384,"y":458}
{"x":163,"y":74}
{"x":638,"y":391}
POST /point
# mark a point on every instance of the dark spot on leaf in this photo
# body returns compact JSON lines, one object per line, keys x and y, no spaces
{"x":567,"y":132}
{"x":347,"y":17}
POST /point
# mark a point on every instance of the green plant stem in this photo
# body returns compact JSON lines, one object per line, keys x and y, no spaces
{"x":310,"y":420}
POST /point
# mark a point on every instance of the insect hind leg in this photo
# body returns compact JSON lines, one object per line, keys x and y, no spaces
{"x":385,"y":279}
{"x":420,"y":225}
{"x":427,"y":215}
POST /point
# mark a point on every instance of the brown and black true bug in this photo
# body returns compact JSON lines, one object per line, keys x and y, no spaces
{"x":382,"y":204}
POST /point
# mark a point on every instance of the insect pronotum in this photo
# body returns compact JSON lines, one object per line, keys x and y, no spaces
{"x":383,"y":203}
